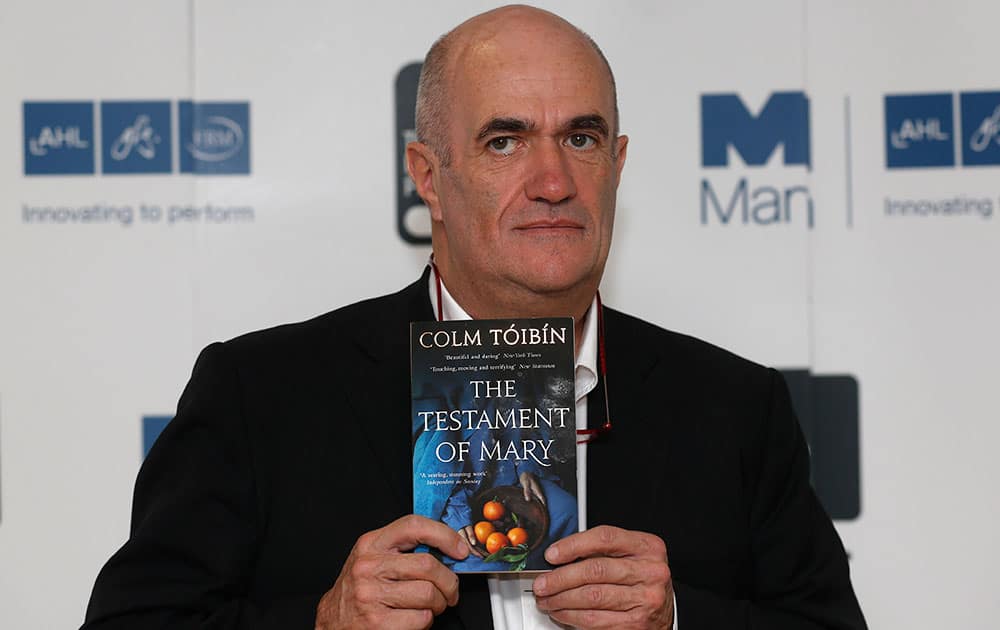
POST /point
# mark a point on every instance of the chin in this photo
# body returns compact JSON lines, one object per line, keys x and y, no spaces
{"x":555,"y":278}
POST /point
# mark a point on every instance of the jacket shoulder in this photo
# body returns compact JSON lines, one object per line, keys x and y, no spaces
{"x":358,"y":326}
{"x":308,"y":331}
{"x":679,"y":348}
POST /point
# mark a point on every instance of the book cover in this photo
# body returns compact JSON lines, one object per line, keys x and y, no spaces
{"x":494,"y":436}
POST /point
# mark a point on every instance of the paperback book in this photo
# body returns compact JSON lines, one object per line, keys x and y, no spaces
{"x":494,"y":436}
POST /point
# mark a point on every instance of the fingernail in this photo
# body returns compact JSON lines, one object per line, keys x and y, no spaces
{"x":552,"y":553}
{"x":462,"y":548}
{"x":539,"y":586}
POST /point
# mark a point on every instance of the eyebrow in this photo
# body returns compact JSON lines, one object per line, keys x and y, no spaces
{"x":508,"y":125}
{"x":501,"y":124}
{"x":590,"y":122}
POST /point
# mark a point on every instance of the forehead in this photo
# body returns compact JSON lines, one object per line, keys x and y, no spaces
{"x":548,"y":77}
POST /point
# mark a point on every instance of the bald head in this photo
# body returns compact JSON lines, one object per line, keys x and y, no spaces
{"x":457,"y":54}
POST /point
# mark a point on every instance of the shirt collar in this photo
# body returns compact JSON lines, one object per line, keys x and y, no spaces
{"x":586,"y":359}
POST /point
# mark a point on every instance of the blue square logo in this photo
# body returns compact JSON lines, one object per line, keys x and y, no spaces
{"x":919,"y":130}
{"x":135,"y":137}
{"x":215,"y":138}
{"x":980,"y":128}
{"x":152,"y":427}
{"x":58,"y":138}
{"x":726,"y":122}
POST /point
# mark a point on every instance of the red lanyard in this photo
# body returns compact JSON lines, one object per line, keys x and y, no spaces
{"x":589,"y":434}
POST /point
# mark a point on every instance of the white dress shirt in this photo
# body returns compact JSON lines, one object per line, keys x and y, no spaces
{"x":511,"y":600}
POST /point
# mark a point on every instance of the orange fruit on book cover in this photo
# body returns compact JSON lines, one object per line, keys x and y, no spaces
{"x":483,"y":531}
{"x":496,"y":542}
{"x":493,"y":510}
{"x":518,"y":536}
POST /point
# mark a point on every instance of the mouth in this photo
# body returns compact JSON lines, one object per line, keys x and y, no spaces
{"x":557,"y":225}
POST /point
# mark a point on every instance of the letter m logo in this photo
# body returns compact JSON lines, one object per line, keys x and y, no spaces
{"x":726,"y":121}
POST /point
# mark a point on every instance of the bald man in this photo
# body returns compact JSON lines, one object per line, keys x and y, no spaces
{"x":279,"y":496}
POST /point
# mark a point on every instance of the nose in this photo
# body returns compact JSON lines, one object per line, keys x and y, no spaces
{"x":550,"y":179}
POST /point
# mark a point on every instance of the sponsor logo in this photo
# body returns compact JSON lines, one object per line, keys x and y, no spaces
{"x":215,"y":138}
{"x":413,"y":220}
{"x":135,"y":137}
{"x":980,"y":128}
{"x":728,"y":124}
{"x":919,"y":131}
{"x":58,"y":138}
{"x":152,"y":426}
{"x":827,"y":408}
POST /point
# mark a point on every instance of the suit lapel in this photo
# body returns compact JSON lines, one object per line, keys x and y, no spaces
{"x":624,"y":466}
{"x":379,"y":394}
{"x":378,"y":388}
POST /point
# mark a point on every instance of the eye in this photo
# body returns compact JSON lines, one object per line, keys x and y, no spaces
{"x":581,"y":141}
{"x":503,"y":145}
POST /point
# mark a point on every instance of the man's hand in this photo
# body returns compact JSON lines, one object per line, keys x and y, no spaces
{"x":469,"y":534}
{"x":532,"y":487}
{"x":382,"y":587}
{"x":622,"y":580}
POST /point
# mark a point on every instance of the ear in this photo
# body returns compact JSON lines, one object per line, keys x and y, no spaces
{"x":621,"y":147}
{"x":421,"y":164}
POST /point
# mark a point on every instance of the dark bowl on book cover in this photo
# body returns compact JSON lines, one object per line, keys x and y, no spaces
{"x":531,"y":515}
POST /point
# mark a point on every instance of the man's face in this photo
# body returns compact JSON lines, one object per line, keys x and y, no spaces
{"x":528,"y":201}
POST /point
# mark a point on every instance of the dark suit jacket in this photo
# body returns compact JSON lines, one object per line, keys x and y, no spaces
{"x":290,"y":443}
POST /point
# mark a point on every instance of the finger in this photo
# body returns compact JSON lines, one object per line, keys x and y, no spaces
{"x":414,"y":595}
{"x":407,"y":532}
{"x":606,"y":541}
{"x":537,"y":489}
{"x":470,"y":537}
{"x":422,"y":567}
{"x":602,"y":570}
{"x":594,"y":597}
{"x":594,"y":619}
{"x":409,"y":619}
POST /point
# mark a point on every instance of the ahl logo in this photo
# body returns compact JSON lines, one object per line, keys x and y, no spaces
{"x":919,"y":131}
{"x":783,"y":121}
{"x":58,"y":138}
{"x":136,"y":137}
{"x":215,"y":138}
{"x":980,"y":128}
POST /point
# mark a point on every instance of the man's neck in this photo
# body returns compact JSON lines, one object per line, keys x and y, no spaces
{"x":532,"y":305}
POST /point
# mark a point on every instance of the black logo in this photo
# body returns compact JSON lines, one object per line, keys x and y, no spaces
{"x":412,"y":219}
{"x":827,"y":407}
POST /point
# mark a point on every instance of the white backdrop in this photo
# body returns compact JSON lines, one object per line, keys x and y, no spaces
{"x":100,"y":322}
